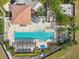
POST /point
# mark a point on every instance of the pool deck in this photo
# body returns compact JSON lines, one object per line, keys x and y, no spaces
{"x":29,"y":28}
{"x":38,"y":43}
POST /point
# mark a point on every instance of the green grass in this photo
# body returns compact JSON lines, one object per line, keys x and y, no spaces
{"x":25,"y":55}
{"x":1,"y":13}
{"x":73,"y":53}
{"x":70,"y":53}
{"x":2,"y":2}
{"x":57,"y":54}
{"x":1,"y":26}
{"x":66,"y":47}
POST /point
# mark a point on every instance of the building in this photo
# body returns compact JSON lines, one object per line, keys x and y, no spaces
{"x":67,"y":9}
{"x":21,"y":14}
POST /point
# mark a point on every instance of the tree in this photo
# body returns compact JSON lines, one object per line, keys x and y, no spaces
{"x":68,"y":1}
{"x":43,"y":1}
{"x":11,"y":48}
{"x":54,"y":5}
{"x":42,"y":12}
{"x":73,"y":27}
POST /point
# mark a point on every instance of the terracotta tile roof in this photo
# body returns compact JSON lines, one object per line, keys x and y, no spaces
{"x":21,"y":14}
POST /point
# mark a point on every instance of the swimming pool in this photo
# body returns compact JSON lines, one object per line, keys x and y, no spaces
{"x":43,"y":36}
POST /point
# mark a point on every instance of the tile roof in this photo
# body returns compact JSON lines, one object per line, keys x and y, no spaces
{"x":21,"y":14}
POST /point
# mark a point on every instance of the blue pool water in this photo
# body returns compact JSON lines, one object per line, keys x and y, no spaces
{"x":43,"y":47}
{"x":34,"y":35}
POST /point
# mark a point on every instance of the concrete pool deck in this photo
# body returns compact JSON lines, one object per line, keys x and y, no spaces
{"x":28,"y":28}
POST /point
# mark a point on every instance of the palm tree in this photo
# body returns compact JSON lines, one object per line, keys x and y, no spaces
{"x":73,"y":27}
{"x":54,"y":5}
